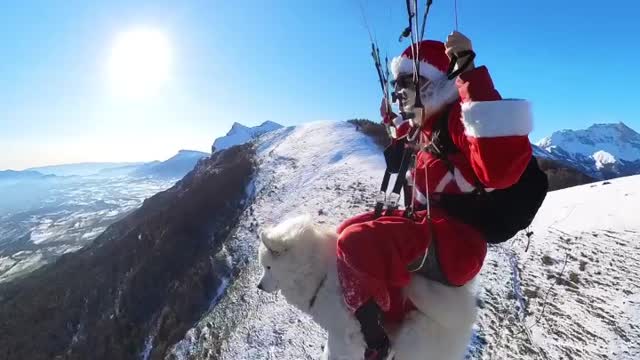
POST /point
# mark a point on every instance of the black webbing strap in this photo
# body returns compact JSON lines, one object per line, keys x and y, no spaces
{"x":385,"y":181}
{"x":382,"y":195}
{"x":399,"y":157}
{"x":402,"y":173}
{"x":397,"y":187}
{"x":401,"y":178}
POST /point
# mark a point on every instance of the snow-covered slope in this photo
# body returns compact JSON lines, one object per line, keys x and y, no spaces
{"x":331,"y":171}
{"x":575,"y":292}
{"x":240,"y":134}
{"x":326,"y":169}
{"x":189,"y":253}
{"x":607,"y":150}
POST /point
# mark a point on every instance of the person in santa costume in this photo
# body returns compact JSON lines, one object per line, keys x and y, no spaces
{"x":492,"y":136}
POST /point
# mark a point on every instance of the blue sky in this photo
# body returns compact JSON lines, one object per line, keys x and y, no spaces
{"x":286,"y":61}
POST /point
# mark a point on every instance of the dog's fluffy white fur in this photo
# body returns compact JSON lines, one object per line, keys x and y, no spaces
{"x":298,"y":259}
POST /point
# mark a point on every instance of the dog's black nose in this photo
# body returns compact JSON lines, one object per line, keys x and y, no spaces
{"x":260,"y":286}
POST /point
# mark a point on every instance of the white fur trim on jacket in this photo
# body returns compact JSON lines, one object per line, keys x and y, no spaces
{"x":497,"y":118}
{"x":404,"y":65}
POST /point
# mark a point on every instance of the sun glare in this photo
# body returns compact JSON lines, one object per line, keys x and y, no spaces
{"x":140,"y":62}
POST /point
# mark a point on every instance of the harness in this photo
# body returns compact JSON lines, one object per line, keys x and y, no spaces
{"x":498,"y":214}
{"x":400,"y":155}
{"x":315,"y":293}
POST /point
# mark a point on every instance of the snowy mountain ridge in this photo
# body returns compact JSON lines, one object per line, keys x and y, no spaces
{"x":175,"y":167}
{"x":240,"y":134}
{"x":331,"y":171}
{"x":619,"y":140}
{"x":603,"y":150}
{"x":177,"y":278}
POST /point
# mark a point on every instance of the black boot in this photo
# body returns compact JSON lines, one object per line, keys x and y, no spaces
{"x":370,"y":317}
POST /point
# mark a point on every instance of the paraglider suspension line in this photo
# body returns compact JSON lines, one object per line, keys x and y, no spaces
{"x":455,"y":12}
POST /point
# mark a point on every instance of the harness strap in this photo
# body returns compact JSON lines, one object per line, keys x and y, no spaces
{"x":315,"y":294}
{"x":399,"y":158}
{"x":428,"y":265}
{"x":394,"y":197}
{"x":406,"y":162}
{"x":380,"y":200}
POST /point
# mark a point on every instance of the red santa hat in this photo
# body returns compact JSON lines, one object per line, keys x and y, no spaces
{"x":433,"y":60}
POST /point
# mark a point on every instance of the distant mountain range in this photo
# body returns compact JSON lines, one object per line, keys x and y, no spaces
{"x":175,"y":167}
{"x":602,"y":151}
{"x":81,"y":169}
{"x":11,"y":175}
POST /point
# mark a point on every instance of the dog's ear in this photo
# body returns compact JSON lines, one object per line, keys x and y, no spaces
{"x":275,"y":247}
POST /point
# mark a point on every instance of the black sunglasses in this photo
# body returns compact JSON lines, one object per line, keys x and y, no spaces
{"x":407,"y":82}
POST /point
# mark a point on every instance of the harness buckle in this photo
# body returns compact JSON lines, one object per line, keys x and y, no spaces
{"x":380,"y":201}
{"x":409,"y":213}
{"x":392,"y":202}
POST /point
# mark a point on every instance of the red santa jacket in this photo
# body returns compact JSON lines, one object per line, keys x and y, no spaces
{"x":491,"y":133}
{"x":492,"y":136}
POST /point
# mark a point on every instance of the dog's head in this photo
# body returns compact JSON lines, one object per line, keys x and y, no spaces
{"x":287,"y":252}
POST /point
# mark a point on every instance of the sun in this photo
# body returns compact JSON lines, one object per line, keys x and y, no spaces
{"x":139,"y":63}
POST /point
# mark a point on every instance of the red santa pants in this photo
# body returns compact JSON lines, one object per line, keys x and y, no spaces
{"x":373,"y":255}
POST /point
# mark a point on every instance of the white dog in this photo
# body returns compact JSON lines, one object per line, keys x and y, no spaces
{"x":299,"y":260}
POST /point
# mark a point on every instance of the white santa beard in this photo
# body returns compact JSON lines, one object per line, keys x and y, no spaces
{"x":435,"y":96}
{"x":438,"y":94}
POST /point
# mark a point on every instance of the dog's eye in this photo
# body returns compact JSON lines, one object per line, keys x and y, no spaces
{"x":268,"y":267}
